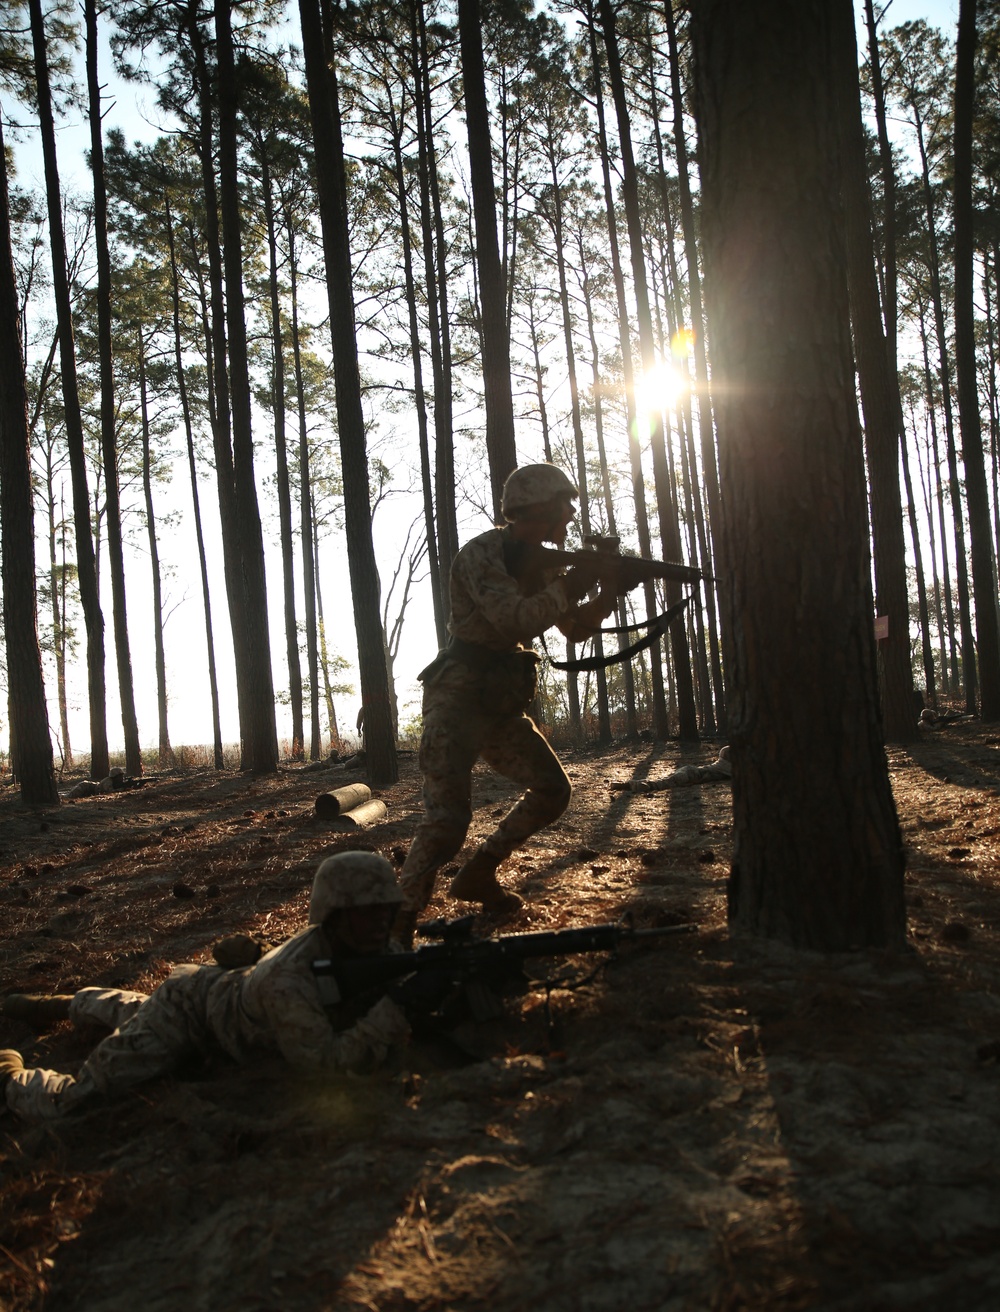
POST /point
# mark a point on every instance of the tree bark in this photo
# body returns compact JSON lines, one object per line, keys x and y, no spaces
{"x":31,"y":746}
{"x":687,"y":712}
{"x":500,"y":444}
{"x":818,"y":858}
{"x":213,"y":681}
{"x":984,"y":581}
{"x":165,"y":753}
{"x":332,"y":185}
{"x":260,"y":737}
{"x":85,"y":557}
{"x":281,"y":466}
{"x":881,"y":406}
{"x":109,"y":445}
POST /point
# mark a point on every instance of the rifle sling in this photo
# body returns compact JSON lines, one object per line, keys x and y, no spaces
{"x":657,"y":627}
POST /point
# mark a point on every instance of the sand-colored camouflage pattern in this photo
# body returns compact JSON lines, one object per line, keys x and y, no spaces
{"x":272,"y":1005}
{"x":352,"y":879}
{"x":458,"y":729}
{"x":532,"y":485}
{"x":487,"y":604}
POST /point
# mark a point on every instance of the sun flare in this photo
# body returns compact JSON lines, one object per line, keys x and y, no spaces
{"x":656,"y":390}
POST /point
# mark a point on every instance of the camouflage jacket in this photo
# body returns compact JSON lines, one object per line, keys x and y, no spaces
{"x":487,"y":604}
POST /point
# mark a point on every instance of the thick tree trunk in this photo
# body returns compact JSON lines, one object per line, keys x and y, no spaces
{"x":818,"y":858}
{"x":85,"y":556}
{"x":31,"y":746}
{"x":332,"y":184}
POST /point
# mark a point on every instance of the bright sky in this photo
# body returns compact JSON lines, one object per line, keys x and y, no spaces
{"x":190,"y":720}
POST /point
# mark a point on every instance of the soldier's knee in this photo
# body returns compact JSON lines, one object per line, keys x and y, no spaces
{"x":557,"y":793}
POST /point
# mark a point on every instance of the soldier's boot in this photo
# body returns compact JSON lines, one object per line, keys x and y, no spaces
{"x":10,"y":1064}
{"x":41,"y":1010}
{"x":477,"y":882}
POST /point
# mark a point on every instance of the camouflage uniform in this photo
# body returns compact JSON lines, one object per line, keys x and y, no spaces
{"x":276,"y":1004}
{"x":475,"y":696}
{"x":720,"y":769}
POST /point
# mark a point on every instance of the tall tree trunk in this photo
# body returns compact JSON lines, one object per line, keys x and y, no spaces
{"x":305,"y":508}
{"x":687,"y":712}
{"x":500,"y":445}
{"x":969,"y":679}
{"x":165,"y":755}
{"x":706,"y":428}
{"x":436,"y":279}
{"x":57,"y":600}
{"x":659,"y":704}
{"x":218,"y":380}
{"x":213,"y":680}
{"x":85,"y":557}
{"x":881,"y":406}
{"x":935,"y":493}
{"x":603,"y":705}
{"x":260,"y":736}
{"x":438,"y":599}
{"x":31,"y":746}
{"x":324,"y":656}
{"x":281,"y":468}
{"x":818,"y":858}
{"x":984,"y":579}
{"x":888,"y":186}
{"x":109,"y":444}
{"x":332,"y":185}
{"x":930,"y":689}
{"x":554,"y":217}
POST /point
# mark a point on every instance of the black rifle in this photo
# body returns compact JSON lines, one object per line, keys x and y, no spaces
{"x":475,"y":965}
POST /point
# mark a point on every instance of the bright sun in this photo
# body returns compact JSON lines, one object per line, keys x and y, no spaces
{"x":656,"y":390}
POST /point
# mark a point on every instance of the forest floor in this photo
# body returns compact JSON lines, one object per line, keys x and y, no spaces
{"x":705,"y":1124}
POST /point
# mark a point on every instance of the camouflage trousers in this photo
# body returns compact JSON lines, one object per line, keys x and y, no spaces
{"x":151,"y":1035}
{"x":459,"y":728}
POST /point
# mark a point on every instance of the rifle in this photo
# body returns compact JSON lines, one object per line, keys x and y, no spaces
{"x":474,"y":966}
{"x":605,"y":563}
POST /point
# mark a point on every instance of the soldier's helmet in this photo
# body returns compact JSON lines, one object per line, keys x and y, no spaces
{"x":352,"y":879}
{"x":533,"y":485}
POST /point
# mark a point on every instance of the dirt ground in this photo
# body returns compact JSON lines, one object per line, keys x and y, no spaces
{"x":699,"y":1125}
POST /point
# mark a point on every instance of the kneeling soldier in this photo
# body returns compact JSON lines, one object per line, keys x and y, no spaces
{"x":276,"y":1004}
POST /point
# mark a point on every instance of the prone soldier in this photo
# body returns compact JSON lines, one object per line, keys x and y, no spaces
{"x":277,"y":1003}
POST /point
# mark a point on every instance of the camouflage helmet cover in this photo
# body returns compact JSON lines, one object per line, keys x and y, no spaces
{"x":533,"y":485}
{"x":352,"y":879}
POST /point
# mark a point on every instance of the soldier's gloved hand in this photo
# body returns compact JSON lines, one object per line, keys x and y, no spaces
{"x":385,"y":1024}
{"x":236,"y":951}
{"x":582,"y":578}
